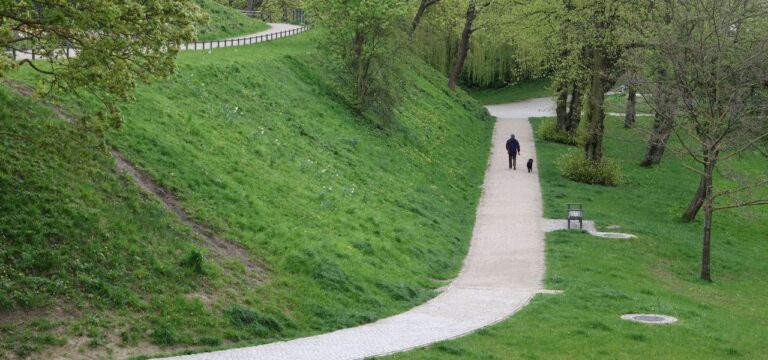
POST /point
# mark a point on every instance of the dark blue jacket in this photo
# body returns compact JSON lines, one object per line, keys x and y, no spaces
{"x":513,"y":147}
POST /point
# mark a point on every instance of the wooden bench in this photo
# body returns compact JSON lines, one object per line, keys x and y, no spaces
{"x":575,"y":212}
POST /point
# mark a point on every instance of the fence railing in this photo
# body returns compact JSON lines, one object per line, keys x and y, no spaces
{"x":31,"y":54}
{"x":240,"y":41}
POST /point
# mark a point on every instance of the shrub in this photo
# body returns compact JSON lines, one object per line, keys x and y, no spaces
{"x":255,"y":322}
{"x":194,"y":261}
{"x":575,"y":166}
{"x":164,"y":336}
{"x":548,"y":131}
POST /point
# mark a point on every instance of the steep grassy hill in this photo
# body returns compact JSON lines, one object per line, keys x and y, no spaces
{"x":604,"y":278}
{"x":348,"y":223}
{"x":225,"y":22}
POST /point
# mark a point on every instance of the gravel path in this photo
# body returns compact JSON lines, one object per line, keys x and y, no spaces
{"x":502,"y":272}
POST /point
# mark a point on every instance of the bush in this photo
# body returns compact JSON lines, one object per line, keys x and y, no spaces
{"x":548,"y":131}
{"x":575,"y":166}
{"x":164,"y":336}
{"x":255,"y":322}
{"x":194,"y":261}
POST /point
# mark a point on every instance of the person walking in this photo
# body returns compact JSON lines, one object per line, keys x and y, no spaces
{"x":513,"y":149}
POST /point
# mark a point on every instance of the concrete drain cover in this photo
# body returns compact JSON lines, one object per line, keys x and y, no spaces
{"x":649,"y":318}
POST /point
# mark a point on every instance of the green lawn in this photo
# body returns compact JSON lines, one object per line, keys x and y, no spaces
{"x":618,"y":104}
{"x":352,"y":223}
{"x":655,"y":273}
{"x":225,"y":22}
{"x":517,"y":92}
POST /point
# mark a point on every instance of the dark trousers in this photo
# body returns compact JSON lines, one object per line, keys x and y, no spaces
{"x":513,"y":161}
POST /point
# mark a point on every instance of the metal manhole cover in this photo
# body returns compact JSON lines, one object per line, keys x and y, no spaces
{"x":650,"y":318}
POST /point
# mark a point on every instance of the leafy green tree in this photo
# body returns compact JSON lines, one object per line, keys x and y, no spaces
{"x":118,"y":43}
{"x":361,"y":38}
{"x":606,"y":29}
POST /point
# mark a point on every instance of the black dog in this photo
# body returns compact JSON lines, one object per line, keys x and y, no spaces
{"x":529,"y":165}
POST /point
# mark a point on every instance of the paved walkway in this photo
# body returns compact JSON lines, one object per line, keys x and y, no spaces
{"x":275,"y":31}
{"x":502,"y":272}
{"x":589,"y":226}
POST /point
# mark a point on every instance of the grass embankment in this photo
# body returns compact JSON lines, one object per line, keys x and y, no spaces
{"x":225,"y":22}
{"x":655,"y":273}
{"x":520,"y":91}
{"x":352,"y":223}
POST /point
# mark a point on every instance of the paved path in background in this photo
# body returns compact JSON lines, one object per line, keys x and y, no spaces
{"x":275,"y":31}
{"x":274,"y":28}
{"x":502,"y":272}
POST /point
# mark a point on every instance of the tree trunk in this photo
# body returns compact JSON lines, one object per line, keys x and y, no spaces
{"x":666,"y":108}
{"x":629,"y":118}
{"x":708,"y":210}
{"x":561,"y":109}
{"x":574,"y":109}
{"x":593,"y":147}
{"x":463,"y":45}
{"x":250,"y":5}
{"x":419,"y":13}
{"x":693,"y":208}
{"x":701,"y":193}
{"x":662,"y":129}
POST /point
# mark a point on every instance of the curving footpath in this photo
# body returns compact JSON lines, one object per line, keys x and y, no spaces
{"x":502,"y":272}
{"x":275,"y":31}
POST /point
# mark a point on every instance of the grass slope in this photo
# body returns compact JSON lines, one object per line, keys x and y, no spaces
{"x":225,"y":22}
{"x":352,"y":223}
{"x":618,"y":104}
{"x":521,"y":91}
{"x":656,"y":273}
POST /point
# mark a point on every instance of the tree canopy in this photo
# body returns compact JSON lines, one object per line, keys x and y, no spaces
{"x":118,"y":43}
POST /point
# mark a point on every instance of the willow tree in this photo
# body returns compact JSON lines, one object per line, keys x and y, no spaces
{"x":423,"y":6}
{"x":480,"y":15}
{"x":473,"y":8}
{"x":118,"y":43}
